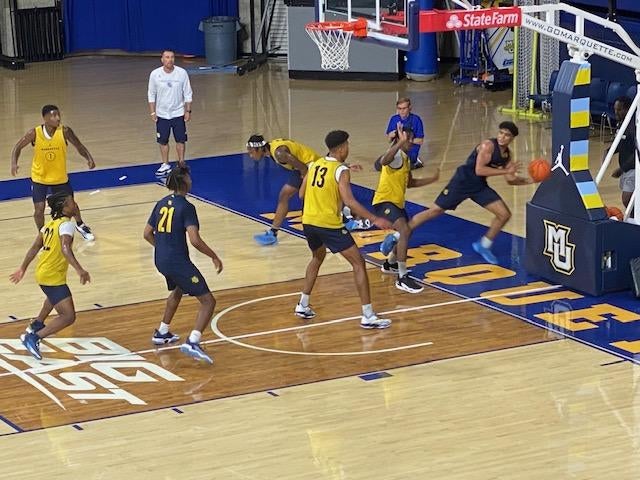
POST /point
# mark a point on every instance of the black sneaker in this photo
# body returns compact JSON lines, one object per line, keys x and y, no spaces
{"x":86,"y":233}
{"x":417,"y":165}
{"x":389,"y":268}
{"x":163,"y":338}
{"x":35,"y":326}
{"x":408,"y":284}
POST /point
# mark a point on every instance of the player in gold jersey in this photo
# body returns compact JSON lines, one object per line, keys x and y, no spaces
{"x":291,"y":155}
{"x":49,"y":166}
{"x":55,"y":240}
{"x":325,"y":189}
{"x":389,"y":201}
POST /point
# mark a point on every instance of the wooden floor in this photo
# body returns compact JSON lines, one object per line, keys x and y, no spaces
{"x":467,"y":393}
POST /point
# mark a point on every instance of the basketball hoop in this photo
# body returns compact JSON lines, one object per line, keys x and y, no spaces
{"x":333,"y":40}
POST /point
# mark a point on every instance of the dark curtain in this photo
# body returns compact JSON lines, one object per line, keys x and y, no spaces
{"x":140,"y":25}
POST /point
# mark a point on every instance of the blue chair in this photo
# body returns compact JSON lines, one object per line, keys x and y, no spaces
{"x":544,"y":101}
{"x":631,"y":92}
{"x":598,"y":96}
{"x":614,"y":91}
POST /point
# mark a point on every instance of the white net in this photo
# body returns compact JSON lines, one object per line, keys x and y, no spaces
{"x":549,"y":53}
{"x":547,"y":59}
{"x":333,"y":44}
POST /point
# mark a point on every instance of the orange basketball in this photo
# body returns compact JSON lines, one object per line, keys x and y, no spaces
{"x":539,"y":170}
{"x":614,"y":213}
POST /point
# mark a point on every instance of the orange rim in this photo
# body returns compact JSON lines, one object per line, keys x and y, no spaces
{"x":358,"y":27}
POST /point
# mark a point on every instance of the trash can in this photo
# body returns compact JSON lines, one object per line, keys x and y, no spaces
{"x":220,"y":39}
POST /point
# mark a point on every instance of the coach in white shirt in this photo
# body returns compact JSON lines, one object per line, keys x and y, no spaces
{"x":170,"y":99}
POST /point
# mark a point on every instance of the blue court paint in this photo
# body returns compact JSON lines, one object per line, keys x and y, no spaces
{"x":77,"y":427}
{"x":367,"y":377}
{"x":273,"y":394}
{"x":250,"y":189}
{"x":11,"y":424}
{"x":177,"y":410}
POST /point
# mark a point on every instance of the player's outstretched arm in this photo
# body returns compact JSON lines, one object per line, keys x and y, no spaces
{"x":512,"y":176}
{"x":82,"y":150}
{"x":67,"y":251}
{"x":485,"y":150}
{"x":402,"y":140}
{"x":29,"y":137}
{"x":344,"y":186}
{"x":16,"y":276}
{"x":200,"y":245}
{"x":421,"y":182}
{"x":283,"y":155}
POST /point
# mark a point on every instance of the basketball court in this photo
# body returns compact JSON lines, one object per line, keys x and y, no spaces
{"x":488,"y":373}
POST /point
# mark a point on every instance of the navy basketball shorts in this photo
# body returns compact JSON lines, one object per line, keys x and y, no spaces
{"x":452,"y":196}
{"x":165,"y":126}
{"x":186,"y":276}
{"x":335,"y":239}
{"x":56,"y":294}
{"x":39,"y":191}
{"x":390,"y":211}
{"x":294,"y":180}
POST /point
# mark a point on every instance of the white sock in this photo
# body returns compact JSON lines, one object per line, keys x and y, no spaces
{"x":194,"y":336}
{"x":304,"y":299}
{"x":163,"y":328}
{"x":367,"y":310}
{"x":402,"y":269}
{"x":346,"y":211}
{"x":392,"y":258}
{"x":485,"y":242}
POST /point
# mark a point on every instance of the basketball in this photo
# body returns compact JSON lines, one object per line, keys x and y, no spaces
{"x":539,"y":170}
{"x":614,"y":213}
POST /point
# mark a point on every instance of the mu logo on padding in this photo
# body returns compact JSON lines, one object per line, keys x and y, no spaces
{"x":557,"y":247}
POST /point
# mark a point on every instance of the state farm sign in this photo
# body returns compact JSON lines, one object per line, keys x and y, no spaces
{"x":444,"y":20}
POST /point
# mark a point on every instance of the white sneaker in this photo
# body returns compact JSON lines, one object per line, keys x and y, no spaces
{"x":374,"y":322}
{"x":304,"y":312}
{"x":164,"y":169}
{"x":85,"y":231}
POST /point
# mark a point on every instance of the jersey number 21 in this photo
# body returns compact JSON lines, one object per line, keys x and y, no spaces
{"x":166,"y":219}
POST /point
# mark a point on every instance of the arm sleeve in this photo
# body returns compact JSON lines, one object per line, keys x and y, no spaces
{"x":67,"y":228}
{"x":392,"y":125}
{"x":418,"y":128}
{"x":339,"y":171}
{"x":186,"y":89}
{"x":152,"y":90}
{"x":153,"y":220}
{"x":190,"y":216}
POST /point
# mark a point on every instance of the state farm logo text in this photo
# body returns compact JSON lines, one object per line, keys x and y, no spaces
{"x":480,"y":19}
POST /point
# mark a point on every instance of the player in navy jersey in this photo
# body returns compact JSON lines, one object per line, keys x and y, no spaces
{"x":489,"y":159}
{"x":171,"y":221}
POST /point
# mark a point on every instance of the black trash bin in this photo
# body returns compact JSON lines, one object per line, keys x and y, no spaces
{"x":220,"y":39}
